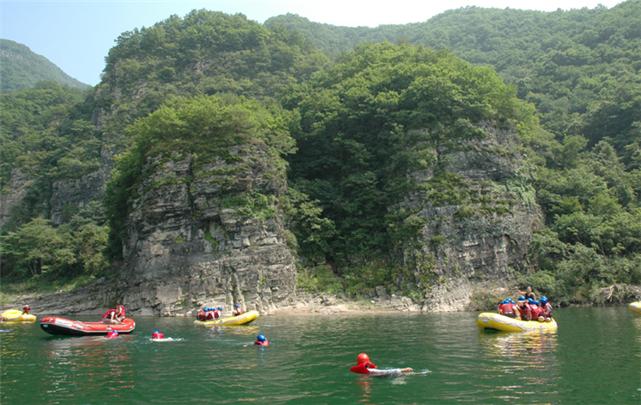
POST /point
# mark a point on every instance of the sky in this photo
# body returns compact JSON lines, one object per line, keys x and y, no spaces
{"x":77,"y":34}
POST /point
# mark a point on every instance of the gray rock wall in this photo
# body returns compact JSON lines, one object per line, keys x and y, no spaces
{"x":186,"y":247}
{"x":484,"y":238}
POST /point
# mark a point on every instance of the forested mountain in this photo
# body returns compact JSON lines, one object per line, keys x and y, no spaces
{"x":570,"y":64}
{"x":21,"y":68}
{"x":581,"y":69}
{"x":222,"y":157}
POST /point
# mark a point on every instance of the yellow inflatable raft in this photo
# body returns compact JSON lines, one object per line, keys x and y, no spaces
{"x":15,"y":315}
{"x":491,"y":320}
{"x":635,"y":307}
{"x":243,"y":319}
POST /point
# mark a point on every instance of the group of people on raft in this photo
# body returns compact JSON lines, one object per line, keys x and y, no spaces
{"x":213,"y":313}
{"x":526,"y":307}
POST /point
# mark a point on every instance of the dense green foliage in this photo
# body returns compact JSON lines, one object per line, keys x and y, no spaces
{"x":363,"y":122}
{"x":37,"y":248}
{"x":21,"y":68}
{"x":205,"y":129}
{"x":203,"y":53}
{"x":46,"y":135}
{"x":580,"y":68}
{"x":368,"y":123}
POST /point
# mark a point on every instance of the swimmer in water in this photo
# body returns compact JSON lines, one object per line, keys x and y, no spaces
{"x":157,"y":334}
{"x":261,"y":340}
{"x":365,"y":366}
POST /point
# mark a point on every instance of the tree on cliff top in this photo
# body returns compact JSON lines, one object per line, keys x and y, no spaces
{"x":381,"y":114}
{"x":206,"y":128}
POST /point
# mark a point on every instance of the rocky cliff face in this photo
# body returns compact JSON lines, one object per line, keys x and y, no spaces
{"x":482,"y":237}
{"x":197,"y":236}
{"x":12,"y":194}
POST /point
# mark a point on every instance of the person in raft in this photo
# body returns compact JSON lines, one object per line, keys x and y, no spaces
{"x":545,"y":307}
{"x":115,"y":315}
{"x":529,"y":294}
{"x":157,"y":334}
{"x":237,"y":310}
{"x":26,"y":310}
{"x":523,"y":311}
{"x":261,"y":340}
{"x":535,"y":310}
{"x":365,"y":366}
{"x":207,"y":314}
{"x":507,"y":308}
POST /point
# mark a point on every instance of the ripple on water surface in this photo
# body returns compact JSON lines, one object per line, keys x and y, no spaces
{"x":594,"y":358}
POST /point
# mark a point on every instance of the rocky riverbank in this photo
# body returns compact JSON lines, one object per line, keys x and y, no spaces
{"x":94,"y":299}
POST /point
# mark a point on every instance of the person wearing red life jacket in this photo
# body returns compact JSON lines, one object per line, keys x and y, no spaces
{"x":157,"y":334}
{"x":111,"y":334}
{"x":535,"y":310}
{"x":26,"y":310}
{"x":524,"y":311}
{"x":507,"y":308}
{"x":261,"y":340}
{"x":546,"y":309}
{"x":363,"y":364}
{"x":115,"y":315}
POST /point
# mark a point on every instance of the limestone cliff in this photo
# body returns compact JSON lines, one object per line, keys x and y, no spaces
{"x":204,"y":223}
{"x":482,"y":238}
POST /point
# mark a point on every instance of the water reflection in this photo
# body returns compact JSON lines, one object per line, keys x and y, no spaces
{"x":516,"y":345}
{"x":520,"y":364}
{"x":88,"y":364}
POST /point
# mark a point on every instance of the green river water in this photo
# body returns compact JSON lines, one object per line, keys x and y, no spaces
{"x":595,"y":358}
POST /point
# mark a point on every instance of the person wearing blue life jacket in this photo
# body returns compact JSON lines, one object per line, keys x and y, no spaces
{"x":261,"y":340}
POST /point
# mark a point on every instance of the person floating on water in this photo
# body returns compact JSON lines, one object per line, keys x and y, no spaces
{"x":237,"y":310}
{"x":365,"y":366}
{"x":115,"y":315}
{"x":157,"y":334}
{"x":261,"y":340}
{"x":111,"y":334}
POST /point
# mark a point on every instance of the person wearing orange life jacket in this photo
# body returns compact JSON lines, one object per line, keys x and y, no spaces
{"x":115,"y":315}
{"x":507,"y":308}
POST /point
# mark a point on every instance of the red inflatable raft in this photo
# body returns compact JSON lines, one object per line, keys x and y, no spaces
{"x":63,"y":326}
